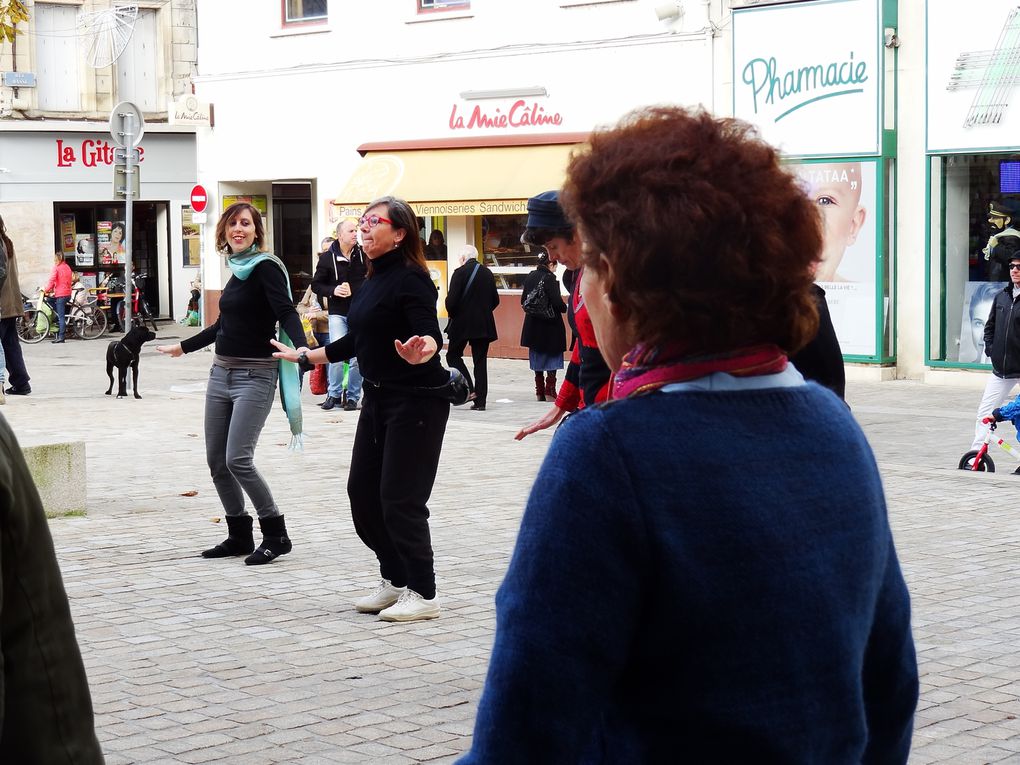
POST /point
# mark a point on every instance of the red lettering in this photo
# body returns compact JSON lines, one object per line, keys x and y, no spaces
{"x":520,"y":115}
{"x":141,"y":155}
{"x":65,"y":155}
{"x":107,"y":153}
{"x":88,"y":153}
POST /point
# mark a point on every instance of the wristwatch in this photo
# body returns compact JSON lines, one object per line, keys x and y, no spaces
{"x":303,"y":358}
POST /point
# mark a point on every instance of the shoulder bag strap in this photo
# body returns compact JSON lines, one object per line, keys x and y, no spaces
{"x":473,"y":275}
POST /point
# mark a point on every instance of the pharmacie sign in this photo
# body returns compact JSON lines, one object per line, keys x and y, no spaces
{"x":809,"y":75}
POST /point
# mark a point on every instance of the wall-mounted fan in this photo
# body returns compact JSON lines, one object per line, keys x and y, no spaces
{"x":105,"y":34}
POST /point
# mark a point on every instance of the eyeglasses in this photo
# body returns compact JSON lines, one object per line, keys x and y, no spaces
{"x":1014,"y":266}
{"x":373,"y":220}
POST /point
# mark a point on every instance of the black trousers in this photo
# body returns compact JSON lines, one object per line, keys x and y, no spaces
{"x":479,"y":357}
{"x":393,"y":468}
{"x":17,"y":375}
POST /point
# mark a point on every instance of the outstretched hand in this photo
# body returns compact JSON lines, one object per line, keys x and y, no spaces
{"x":171,"y":350}
{"x":416,"y":349}
{"x":287,"y":353}
{"x":547,"y":420}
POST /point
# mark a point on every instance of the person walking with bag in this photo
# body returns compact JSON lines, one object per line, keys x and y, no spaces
{"x":394,"y":332}
{"x":543,"y":334}
{"x":470,"y":301}
{"x":243,"y":383}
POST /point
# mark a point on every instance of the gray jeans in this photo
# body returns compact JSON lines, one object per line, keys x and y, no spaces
{"x":237,"y":402}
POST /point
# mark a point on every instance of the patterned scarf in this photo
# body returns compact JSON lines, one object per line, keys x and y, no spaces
{"x":646,"y":368}
{"x":241,"y":265}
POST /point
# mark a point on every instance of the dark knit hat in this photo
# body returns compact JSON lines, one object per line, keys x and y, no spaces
{"x":544,"y":211}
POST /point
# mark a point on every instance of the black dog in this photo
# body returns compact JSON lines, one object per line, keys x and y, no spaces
{"x":124,"y":353}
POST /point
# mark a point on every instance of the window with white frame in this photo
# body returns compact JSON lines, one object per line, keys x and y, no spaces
{"x":56,"y":53}
{"x":138,"y":65}
{"x":298,"y":11}
{"x":443,"y":5}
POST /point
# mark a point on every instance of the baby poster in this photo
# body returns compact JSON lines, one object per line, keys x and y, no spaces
{"x":845,"y":194}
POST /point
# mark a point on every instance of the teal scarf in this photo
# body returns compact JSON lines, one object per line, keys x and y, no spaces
{"x":241,"y":265}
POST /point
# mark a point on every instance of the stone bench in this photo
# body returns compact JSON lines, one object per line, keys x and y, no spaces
{"x":59,"y":474}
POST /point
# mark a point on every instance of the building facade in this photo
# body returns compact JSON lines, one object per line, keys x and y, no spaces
{"x":71,"y":64}
{"x":895,"y":112}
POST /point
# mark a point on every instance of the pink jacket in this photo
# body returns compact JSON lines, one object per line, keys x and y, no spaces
{"x":60,"y":280}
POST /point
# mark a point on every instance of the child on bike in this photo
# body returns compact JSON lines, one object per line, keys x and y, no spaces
{"x":1009,"y":411}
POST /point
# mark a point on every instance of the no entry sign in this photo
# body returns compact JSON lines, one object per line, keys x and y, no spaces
{"x":198,"y":199}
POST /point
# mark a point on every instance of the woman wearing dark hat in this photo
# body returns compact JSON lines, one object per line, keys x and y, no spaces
{"x":544,"y":336}
{"x":587,"y":378}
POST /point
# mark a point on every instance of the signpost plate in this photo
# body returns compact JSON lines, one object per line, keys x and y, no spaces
{"x":127,"y":126}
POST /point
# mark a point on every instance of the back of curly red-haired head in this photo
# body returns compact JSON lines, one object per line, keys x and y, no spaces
{"x":706,"y":240}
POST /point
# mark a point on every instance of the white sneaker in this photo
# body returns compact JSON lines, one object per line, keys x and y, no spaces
{"x":410,"y":607}
{"x":386,"y":595}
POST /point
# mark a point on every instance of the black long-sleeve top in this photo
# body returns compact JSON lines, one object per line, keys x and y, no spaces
{"x":397,"y":301}
{"x":249,"y":311}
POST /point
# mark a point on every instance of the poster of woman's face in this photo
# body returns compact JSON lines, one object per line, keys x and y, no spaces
{"x":977,"y":304}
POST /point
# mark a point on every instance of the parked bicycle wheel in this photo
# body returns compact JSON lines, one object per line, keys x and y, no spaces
{"x":32,"y":326}
{"x":138,"y":318}
{"x":967,"y":462}
{"x":89,"y":325}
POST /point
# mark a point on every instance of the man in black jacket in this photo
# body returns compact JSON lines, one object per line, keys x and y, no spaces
{"x":339,"y":274}
{"x":1002,"y":345}
{"x":470,"y":301}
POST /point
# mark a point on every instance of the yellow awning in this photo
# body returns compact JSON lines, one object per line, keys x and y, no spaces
{"x":475,"y":181}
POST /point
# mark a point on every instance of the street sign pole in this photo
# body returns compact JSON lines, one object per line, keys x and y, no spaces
{"x":126,"y":128}
{"x":129,"y":217}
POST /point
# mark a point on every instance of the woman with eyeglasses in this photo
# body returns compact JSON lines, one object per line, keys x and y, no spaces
{"x":393,"y":330}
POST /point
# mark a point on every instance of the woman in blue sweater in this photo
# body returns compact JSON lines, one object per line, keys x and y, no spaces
{"x":668,"y":603}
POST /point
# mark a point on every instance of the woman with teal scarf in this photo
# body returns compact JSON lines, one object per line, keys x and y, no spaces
{"x":243,"y":382}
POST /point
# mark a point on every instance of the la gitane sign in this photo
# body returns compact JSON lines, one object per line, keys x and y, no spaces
{"x":809,"y":75}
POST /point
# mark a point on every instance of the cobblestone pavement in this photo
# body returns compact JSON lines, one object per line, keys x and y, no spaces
{"x":195,"y":661}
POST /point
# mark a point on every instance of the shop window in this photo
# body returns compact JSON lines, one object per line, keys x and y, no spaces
{"x":443,"y":5}
{"x":971,"y":242}
{"x":302,"y":11}
{"x":56,"y":53}
{"x":138,"y":66}
{"x":502,"y":251}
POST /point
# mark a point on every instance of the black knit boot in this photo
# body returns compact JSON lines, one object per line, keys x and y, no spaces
{"x":274,"y":541}
{"x":539,"y":386}
{"x":239,"y":539}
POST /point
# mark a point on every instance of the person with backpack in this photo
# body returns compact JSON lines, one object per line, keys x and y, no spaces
{"x":542,"y":333}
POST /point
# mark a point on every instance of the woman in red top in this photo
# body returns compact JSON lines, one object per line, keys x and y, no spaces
{"x":60,"y":285}
{"x":587,"y":379}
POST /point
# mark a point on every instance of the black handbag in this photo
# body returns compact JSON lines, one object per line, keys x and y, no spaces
{"x":537,"y":303}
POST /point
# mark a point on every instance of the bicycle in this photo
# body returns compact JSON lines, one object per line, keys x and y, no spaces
{"x":34,"y":323}
{"x":86,"y":318}
{"x":978,"y":460}
{"x":140,"y":311}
